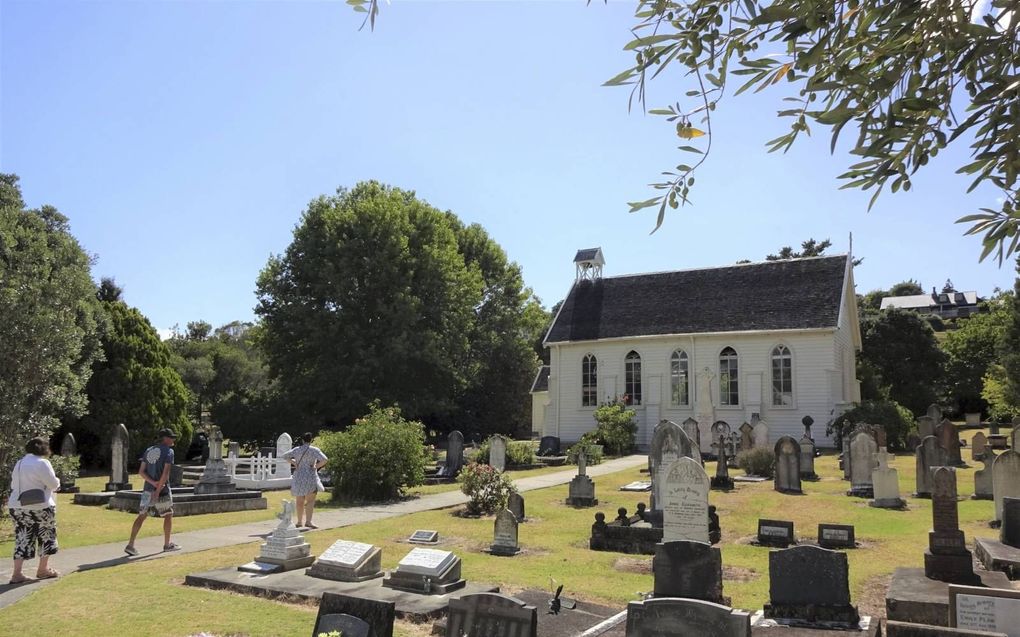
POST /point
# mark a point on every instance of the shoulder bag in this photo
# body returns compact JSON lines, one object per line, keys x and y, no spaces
{"x":30,"y":496}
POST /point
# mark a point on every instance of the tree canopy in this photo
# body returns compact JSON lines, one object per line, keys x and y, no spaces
{"x":900,"y":359}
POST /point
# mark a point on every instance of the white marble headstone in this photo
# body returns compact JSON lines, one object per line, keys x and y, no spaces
{"x":430,"y":562}
{"x":685,"y":502}
{"x":346,"y":553}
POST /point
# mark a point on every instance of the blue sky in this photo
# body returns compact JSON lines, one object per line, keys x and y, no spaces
{"x":184,"y":139}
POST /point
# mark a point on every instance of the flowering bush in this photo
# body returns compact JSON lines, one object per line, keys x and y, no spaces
{"x":66,"y":468}
{"x":487,"y":488}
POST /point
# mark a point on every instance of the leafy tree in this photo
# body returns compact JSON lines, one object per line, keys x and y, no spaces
{"x":971,"y":350}
{"x":900,"y":350}
{"x":49,"y":324}
{"x":909,"y":287}
{"x":136,"y":385}
{"x":371,"y":300}
{"x":896,"y":419}
{"x":809,"y":248}
{"x":1009,"y":350}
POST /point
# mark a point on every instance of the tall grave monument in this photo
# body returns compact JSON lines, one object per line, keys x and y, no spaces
{"x":669,"y":444}
{"x":949,"y":440}
{"x":807,"y":450}
{"x":215,"y":477}
{"x":1005,"y":478}
{"x":947,"y":558}
{"x":581,"y":491}
{"x":119,"y":460}
{"x":787,"y":453}
{"x":685,"y":502}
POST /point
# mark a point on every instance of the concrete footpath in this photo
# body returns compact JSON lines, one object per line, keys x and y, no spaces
{"x":84,"y":558}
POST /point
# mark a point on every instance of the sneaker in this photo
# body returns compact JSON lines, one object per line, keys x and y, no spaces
{"x":171,"y":547}
{"x":130,"y":550}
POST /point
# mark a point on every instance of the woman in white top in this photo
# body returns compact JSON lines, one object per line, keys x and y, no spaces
{"x":35,"y":525}
{"x":305,"y":484}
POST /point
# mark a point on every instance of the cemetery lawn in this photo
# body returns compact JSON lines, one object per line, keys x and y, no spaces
{"x":554,"y":545}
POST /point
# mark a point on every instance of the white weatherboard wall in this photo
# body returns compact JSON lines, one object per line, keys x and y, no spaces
{"x":823,"y":380}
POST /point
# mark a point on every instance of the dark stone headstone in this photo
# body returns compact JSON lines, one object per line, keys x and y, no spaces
{"x":176,"y":475}
{"x":787,"y":453}
{"x":1009,"y":532}
{"x":549,"y":446}
{"x":721,"y":479}
{"x":346,"y":625}
{"x":515,"y":502}
{"x":927,"y":455}
{"x":947,"y":558}
{"x":424,"y":536}
{"x":811,"y":585}
{"x":949,"y":440}
{"x":688,"y":569}
{"x":491,"y":615}
{"x":672,"y":617}
{"x":775,"y":533}
{"x":836,"y":536}
{"x":504,"y":534}
{"x":454,"y":453}
{"x":379,"y":615}
{"x":746,"y":437}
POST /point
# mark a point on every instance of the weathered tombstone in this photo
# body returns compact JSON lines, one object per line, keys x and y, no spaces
{"x":176,"y":475}
{"x":581,"y":491}
{"x":427,"y":571}
{"x":515,"y":502}
{"x":215,"y":476}
{"x":504,"y":534}
{"x":719,"y":428}
{"x":926,"y":426}
{"x":378,"y":614}
{"x":119,"y":460}
{"x":983,"y":489}
{"x":787,"y":453}
{"x":881,"y":439}
{"x":688,"y":569}
{"x":284,"y":550}
{"x":913,"y":440}
{"x":927,"y":455}
{"x":454,"y":453}
{"x":670,"y":617}
{"x":721,"y":479}
{"x":685,"y":502}
{"x":811,"y":585}
{"x":949,"y":439}
{"x":845,"y":456}
{"x":836,"y":536}
{"x":346,"y":625}
{"x":935,"y":413}
{"x":761,"y":434}
{"x":998,"y":441}
{"x":862,"y":462}
{"x":947,"y":558}
{"x":746,"y":437}
{"x":690,"y":427}
{"x":1009,"y":531}
{"x":1005,"y":479}
{"x":491,"y":615}
{"x":233,"y":449}
{"x":994,"y":610}
{"x":807,"y":458}
{"x":547,"y":446}
{"x":346,"y":561}
{"x":777,"y":533}
{"x":669,"y":444}
{"x":977,"y":445}
{"x":886,"y":481}
{"x":68,"y":446}
{"x":497,"y":453}
{"x":732,"y":449}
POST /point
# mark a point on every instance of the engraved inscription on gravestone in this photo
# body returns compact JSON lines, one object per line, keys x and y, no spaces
{"x":424,"y":536}
{"x":775,"y":532}
{"x":685,"y":506}
{"x":987,"y":609}
{"x":426,"y":561}
{"x":833,"y":536}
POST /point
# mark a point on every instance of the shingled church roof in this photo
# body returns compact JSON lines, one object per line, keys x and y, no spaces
{"x":773,"y":295}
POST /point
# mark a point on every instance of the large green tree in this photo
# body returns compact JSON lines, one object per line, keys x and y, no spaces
{"x":971,"y":350}
{"x":49,"y":324}
{"x":1007,"y":377}
{"x":900,"y":359}
{"x":136,"y":385}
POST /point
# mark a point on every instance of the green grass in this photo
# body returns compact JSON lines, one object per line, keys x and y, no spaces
{"x":554,"y":543}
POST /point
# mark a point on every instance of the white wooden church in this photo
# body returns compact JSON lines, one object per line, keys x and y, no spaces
{"x":772,"y":341}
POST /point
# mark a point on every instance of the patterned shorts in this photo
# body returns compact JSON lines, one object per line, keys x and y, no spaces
{"x":164,"y":505}
{"x":33,"y":529}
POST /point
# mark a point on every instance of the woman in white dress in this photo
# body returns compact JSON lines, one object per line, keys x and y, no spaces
{"x":305,"y":484}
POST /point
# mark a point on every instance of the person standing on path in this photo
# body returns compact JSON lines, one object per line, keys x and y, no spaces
{"x":305,"y":485}
{"x":34,"y":510}
{"x":157,"y":499}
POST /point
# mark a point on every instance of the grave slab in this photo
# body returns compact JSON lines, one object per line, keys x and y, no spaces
{"x":915,"y":599}
{"x":347,"y":561}
{"x":996,"y":556}
{"x":901,"y":629}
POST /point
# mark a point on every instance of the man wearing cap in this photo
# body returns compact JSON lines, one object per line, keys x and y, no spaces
{"x":156,"y":498}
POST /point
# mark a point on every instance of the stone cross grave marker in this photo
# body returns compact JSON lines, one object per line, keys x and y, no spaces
{"x":886,"y":481}
{"x":1005,"y":479}
{"x":862,"y":453}
{"x":581,"y":491}
{"x":661,"y":617}
{"x":947,"y":558}
{"x":119,"y":459}
{"x":497,"y":453}
{"x":504,"y":534}
{"x":810,"y":584}
{"x":685,"y":502}
{"x":787,"y":453}
{"x":928,"y":454}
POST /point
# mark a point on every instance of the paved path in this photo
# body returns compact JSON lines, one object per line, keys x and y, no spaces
{"x":85,"y":558}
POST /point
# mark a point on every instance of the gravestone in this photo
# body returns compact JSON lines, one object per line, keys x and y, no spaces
{"x":862,"y":462}
{"x":949,"y":439}
{"x":721,"y":479}
{"x":688,"y":569}
{"x":547,"y":446}
{"x":913,"y":440}
{"x":807,"y":421}
{"x":284,"y":550}
{"x":1009,"y":531}
{"x":346,"y":561}
{"x":845,"y":456}
{"x":732,"y":449}
{"x":497,"y":453}
{"x":215,"y":476}
{"x":778,"y":533}
{"x":998,"y":441}
{"x":685,"y":502}
{"x":935,"y":413}
{"x":581,"y":491}
{"x":787,"y":453}
{"x":515,"y":502}
{"x":690,"y":427}
{"x":504,"y":534}
{"x":810,"y":585}
{"x":761,"y":434}
{"x":233,"y":449}
{"x":947,"y":558}
{"x":807,"y":458}
{"x":977,"y":445}
{"x":68,"y":447}
{"x":719,"y":428}
{"x":996,"y":610}
{"x":346,"y":625}
{"x":886,"y":481}
{"x":926,"y":426}
{"x":176,"y":475}
{"x":907,"y":629}
{"x":746,"y":437}
{"x":491,"y":615}
{"x":836,"y":536}
{"x":1005,"y":479}
{"x":928,"y":454}
{"x":424,"y":536}
{"x":983,"y":477}
{"x":669,"y":444}
{"x":378,"y":614}
{"x":672,"y":617}
{"x":119,"y":444}
{"x":426,"y":571}
{"x":454,"y":454}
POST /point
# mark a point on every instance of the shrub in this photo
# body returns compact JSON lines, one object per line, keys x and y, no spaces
{"x":520,"y":453}
{"x":377,"y":457}
{"x":758,"y":461}
{"x":616,"y":428}
{"x":487,"y":488}
{"x":66,"y":468}
{"x":897,"y":420}
{"x":592,"y":450}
